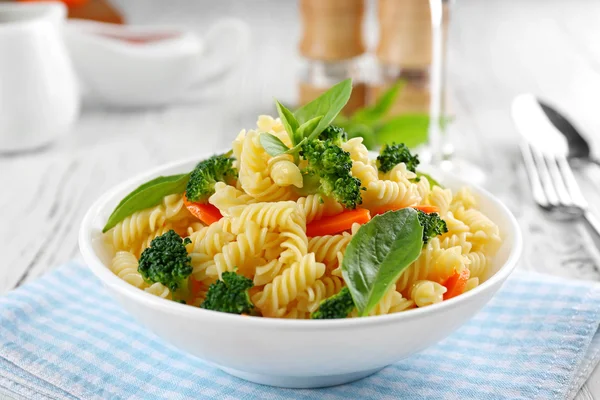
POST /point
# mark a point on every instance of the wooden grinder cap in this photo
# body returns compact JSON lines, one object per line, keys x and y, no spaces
{"x":332,"y":29}
{"x":405,"y":33}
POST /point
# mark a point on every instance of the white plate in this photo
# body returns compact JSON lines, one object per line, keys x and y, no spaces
{"x":295,"y":353}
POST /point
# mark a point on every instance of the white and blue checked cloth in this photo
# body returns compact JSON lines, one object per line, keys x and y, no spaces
{"x":63,"y":337}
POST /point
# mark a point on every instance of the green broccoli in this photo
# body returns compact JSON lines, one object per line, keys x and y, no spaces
{"x":167,"y":261}
{"x":334,"y":133}
{"x":432,"y":225}
{"x":328,"y":172}
{"x":230,"y":294}
{"x":208,"y":172}
{"x":337,"y":306}
{"x":394,"y":154}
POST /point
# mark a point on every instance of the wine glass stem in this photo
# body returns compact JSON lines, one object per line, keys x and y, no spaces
{"x":436,"y":124}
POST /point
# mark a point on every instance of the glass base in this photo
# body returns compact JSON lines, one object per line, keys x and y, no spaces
{"x":464,"y":169}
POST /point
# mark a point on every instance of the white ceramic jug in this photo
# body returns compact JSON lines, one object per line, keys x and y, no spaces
{"x":39,"y":99}
{"x":146,"y":66}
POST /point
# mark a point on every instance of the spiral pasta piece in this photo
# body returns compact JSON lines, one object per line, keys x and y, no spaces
{"x":425,"y":293}
{"x":158,"y":289}
{"x":329,"y":249}
{"x":463,"y":198}
{"x":392,"y":301}
{"x":423,"y":188}
{"x":485,"y":232}
{"x":315,"y":206}
{"x":212,"y":238}
{"x":175,"y":210}
{"x":323,"y":288}
{"x":472,"y":283}
{"x":365,"y":172}
{"x":125,"y":265}
{"x":457,"y":239}
{"x":227,"y":196}
{"x":273,"y":300}
{"x":389,"y":193}
{"x":253,"y":169}
{"x":358,"y":151}
{"x":295,"y":243}
{"x":440,"y":198}
{"x":266,"y":273}
{"x":281,"y":214}
{"x":242,"y":253}
{"x":435,"y":263}
{"x":478,"y":264}
{"x":126,"y":235}
{"x":284,"y":172}
{"x":398,"y":174}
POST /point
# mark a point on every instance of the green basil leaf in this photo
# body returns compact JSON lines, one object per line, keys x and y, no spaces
{"x":147,"y":195}
{"x":432,"y":181}
{"x":306,"y":129}
{"x":377,"y":111}
{"x":410,"y":129}
{"x":272,"y":144}
{"x":296,"y":148}
{"x":328,"y":105}
{"x":364,"y":131}
{"x":287,"y":119}
{"x":378,"y":253}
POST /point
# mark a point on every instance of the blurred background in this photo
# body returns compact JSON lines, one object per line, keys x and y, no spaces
{"x":181,"y":78}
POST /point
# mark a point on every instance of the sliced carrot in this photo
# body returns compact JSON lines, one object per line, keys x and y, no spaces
{"x":206,"y":213}
{"x":195,"y":287}
{"x":456,"y":283}
{"x":425,"y":208}
{"x":338,"y":223}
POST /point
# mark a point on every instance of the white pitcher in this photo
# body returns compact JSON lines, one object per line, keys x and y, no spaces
{"x":39,"y":98}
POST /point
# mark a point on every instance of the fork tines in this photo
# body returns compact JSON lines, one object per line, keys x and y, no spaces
{"x":552,"y":181}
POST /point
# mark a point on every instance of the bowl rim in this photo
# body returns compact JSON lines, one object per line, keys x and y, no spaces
{"x":107,"y":277}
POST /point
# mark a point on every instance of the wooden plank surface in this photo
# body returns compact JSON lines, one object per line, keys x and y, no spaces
{"x":498,"y":48}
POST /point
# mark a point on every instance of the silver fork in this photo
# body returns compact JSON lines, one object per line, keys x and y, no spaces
{"x":553,"y":184}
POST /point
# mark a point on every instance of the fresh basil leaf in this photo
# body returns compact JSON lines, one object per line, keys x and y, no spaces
{"x":306,"y":129}
{"x":410,"y":129}
{"x":364,"y":131}
{"x":287,"y":119}
{"x":377,"y":111}
{"x":328,"y":105}
{"x":272,"y":144}
{"x":432,"y":181}
{"x":147,"y":195}
{"x":378,"y":253}
{"x":296,"y":148}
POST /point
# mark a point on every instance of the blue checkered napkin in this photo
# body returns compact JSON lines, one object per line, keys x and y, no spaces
{"x":63,"y":337}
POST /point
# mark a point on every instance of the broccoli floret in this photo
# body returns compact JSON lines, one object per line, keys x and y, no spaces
{"x":230,"y":294}
{"x":394,"y":154}
{"x":432,"y":225}
{"x":167,"y":261}
{"x":337,"y":306}
{"x":331,"y":165}
{"x":202,"y":181}
{"x":334,"y":133}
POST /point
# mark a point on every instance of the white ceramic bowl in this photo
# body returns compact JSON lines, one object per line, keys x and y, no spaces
{"x":295,"y":353}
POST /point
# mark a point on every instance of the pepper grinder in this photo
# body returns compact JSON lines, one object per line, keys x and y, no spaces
{"x":332,"y":44}
{"x":404,"y":52}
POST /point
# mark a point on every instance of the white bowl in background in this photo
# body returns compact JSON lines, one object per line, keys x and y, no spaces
{"x":146,"y":66}
{"x":295,"y":353}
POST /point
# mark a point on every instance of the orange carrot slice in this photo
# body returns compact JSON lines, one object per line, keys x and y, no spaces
{"x":206,"y":213}
{"x":456,"y":283}
{"x":338,"y":223}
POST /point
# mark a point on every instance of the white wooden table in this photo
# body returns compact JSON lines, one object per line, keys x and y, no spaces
{"x":498,"y":48}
